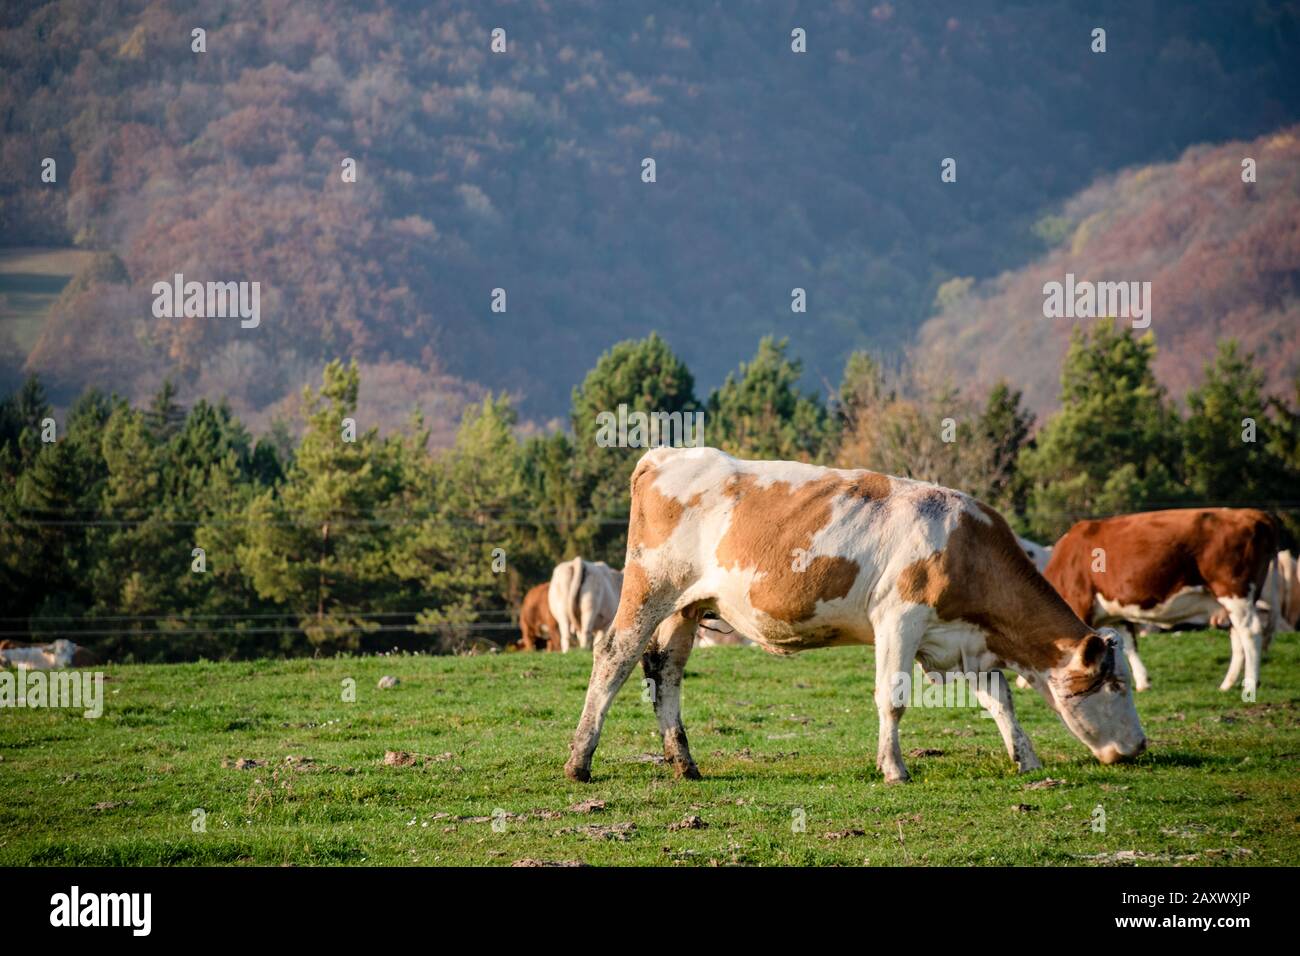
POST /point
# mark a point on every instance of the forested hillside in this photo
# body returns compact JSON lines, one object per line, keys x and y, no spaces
{"x":522,"y":171}
{"x":1222,"y":257}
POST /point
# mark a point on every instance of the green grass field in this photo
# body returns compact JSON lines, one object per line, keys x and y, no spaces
{"x":31,"y":278}
{"x":774,"y":738}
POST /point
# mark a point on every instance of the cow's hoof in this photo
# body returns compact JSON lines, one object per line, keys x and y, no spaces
{"x":577,"y":774}
{"x":687,"y":772}
{"x":903,"y":777}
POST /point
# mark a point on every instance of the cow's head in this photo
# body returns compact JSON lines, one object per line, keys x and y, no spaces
{"x":1093,"y":694}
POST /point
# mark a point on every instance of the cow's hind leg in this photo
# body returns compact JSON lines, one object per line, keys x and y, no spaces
{"x":995,"y":696}
{"x":1135,"y":665}
{"x":664,"y":662}
{"x":611,"y":663}
{"x":1247,"y":645}
{"x":898,"y":635}
{"x":1236,"y":662}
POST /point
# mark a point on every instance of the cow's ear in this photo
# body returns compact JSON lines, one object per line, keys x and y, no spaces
{"x":1091,"y":652}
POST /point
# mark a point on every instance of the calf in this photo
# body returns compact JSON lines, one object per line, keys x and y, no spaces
{"x":797,"y":556}
{"x":536,"y":622}
{"x":1166,"y":567}
{"x":583,"y":600}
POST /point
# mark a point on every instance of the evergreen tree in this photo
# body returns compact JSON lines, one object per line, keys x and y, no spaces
{"x":164,"y":416}
{"x":48,"y":532}
{"x":1005,"y":425}
{"x":647,"y":377}
{"x":760,"y":413}
{"x":469,"y":555}
{"x":1239,"y":445}
{"x":320,"y":543}
{"x":1114,"y":445}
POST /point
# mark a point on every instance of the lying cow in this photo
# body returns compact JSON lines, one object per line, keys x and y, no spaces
{"x":797,"y":556}
{"x":536,"y":622}
{"x":583,"y":599}
{"x":1037,"y":553}
{"x":56,"y":655}
{"x":1166,"y":567}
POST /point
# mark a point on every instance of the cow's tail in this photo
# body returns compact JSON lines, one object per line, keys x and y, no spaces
{"x":572,"y":603}
{"x":1273,"y":597}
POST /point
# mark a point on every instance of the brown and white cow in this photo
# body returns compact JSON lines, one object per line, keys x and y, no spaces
{"x":1284,"y":582}
{"x":797,"y":556}
{"x":583,"y":600}
{"x":1166,"y":567}
{"x":536,"y":622}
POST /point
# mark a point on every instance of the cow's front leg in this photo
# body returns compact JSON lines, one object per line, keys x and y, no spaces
{"x":664,"y":662}
{"x":611,"y":663}
{"x":995,"y":697}
{"x":1247,"y":645}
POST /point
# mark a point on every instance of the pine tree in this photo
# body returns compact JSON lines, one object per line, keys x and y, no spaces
{"x":759,"y":411}
{"x":1114,"y":445}
{"x":647,"y":377}
{"x":320,"y":543}
{"x":1005,"y":424}
{"x":49,"y":538}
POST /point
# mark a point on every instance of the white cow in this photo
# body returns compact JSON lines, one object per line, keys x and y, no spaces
{"x":57,"y":655}
{"x":1287,"y":570}
{"x":797,"y":556}
{"x":583,"y":599}
{"x":1040,"y":554}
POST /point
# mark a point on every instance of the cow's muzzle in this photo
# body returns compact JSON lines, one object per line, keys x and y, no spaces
{"x":1112,"y":754}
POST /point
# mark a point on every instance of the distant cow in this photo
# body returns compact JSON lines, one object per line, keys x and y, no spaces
{"x":1287,"y":570}
{"x":56,"y":655}
{"x":536,"y":621}
{"x":1037,"y":553}
{"x":797,"y":556}
{"x":1165,"y":567}
{"x":583,"y":599}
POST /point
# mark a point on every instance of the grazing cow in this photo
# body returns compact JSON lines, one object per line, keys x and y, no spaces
{"x":1284,"y":577}
{"x":536,"y":621}
{"x":57,"y":655}
{"x":798,"y":556}
{"x":1165,"y":567}
{"x":1039,"y":554}
{"x":584,"y":599}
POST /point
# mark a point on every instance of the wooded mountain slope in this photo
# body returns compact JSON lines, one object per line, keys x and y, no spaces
{"x":522,"y":171}
{"x":1222,"y":256}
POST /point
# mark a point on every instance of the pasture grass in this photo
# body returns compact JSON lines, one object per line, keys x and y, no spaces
{"x":772,"y":736}
{"x":31,"y":279}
